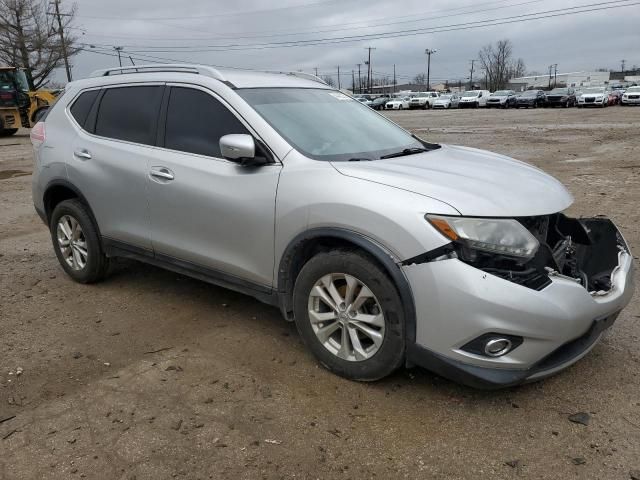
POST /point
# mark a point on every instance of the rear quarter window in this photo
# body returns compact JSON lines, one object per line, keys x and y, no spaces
{"x":82,"y":106}
{"x":129,"y":113}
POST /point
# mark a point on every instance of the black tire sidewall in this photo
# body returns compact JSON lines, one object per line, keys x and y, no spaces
{"x":97,"y":262}
{"x":391,"y":353}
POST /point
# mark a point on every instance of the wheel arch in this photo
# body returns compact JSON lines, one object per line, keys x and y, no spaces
{"x":307,"y":244}
{"x":59,"y":190}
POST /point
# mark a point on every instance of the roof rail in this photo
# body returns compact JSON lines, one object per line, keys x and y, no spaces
{"x":308,"y":76}
{"x":169,"y":67}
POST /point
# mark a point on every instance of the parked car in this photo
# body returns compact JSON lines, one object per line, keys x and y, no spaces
{"x":364,"y":101}
{"x":561,"y":97}
{"x":502,"y":99}
{"x":631,"y":96}
{"x":447,"y":100}
{"x":398,"y":103}
{"x":383,"y":248}
{"x":379,"y":102}
{"x":531,"y":99}
{"x":423,"y":100}
{"x":593,"y":97}
{"x":614,"y":97}
{"x":474,"y":98}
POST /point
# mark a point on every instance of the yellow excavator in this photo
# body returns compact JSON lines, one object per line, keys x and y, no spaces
{"x":19,"y":106}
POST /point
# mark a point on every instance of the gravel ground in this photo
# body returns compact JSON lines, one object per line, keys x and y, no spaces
{"x":151,"y":375}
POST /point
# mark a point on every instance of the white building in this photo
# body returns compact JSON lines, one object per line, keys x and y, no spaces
{"x":572,"y":79}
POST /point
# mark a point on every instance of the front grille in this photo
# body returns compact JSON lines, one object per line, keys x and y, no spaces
{"x":589,"y":100}
{"x":634,"y":96}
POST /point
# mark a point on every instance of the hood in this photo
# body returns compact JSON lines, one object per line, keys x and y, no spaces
{"x":474,"y":182}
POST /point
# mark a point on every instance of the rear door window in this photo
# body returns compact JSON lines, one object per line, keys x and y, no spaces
{"x":196,"y":121}
{"x":130,"y":113}
{"x":82,"y":106}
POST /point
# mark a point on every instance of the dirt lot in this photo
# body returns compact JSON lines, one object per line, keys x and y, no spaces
{"x":151,"y":375}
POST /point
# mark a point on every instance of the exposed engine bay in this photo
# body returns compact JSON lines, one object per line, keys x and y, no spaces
{"x":585,"y":250}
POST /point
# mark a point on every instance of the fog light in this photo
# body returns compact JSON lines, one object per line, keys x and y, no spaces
{"x":497,"y":347}
{"x":493,"y":344}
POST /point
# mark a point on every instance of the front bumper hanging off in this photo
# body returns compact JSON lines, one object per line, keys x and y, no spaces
{"x":559,"y":307}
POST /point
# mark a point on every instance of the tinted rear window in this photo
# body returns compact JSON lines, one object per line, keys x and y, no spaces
{"x":129,"y":113}
{"x":82,"y":106}
{"x":196,"y":121}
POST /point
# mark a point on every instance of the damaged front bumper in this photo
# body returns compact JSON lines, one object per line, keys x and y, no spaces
{"x":558,"y":304}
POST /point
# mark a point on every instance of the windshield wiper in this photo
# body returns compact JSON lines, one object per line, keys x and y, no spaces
{"x":359,"y":159}
{"x":405,"y":152}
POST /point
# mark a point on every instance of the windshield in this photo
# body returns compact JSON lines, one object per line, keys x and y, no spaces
{"x":445,"y":97}
{"x":470,"y":94}
{"x":422,"y":95}
{"x":500,"y":93}
{"x":328,"y":125}
{"x":593,"y":90}
{"x":562,"y":91}
{"x":529,"y":93}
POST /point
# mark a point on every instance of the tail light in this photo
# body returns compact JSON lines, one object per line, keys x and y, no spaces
{"x":38,"y":134}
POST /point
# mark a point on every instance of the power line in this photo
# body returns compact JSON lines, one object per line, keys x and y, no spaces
{"x":405,"y":33}
{"x":350,"y":27}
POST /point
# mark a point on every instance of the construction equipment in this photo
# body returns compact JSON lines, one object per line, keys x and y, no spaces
{"x":20,"y":106}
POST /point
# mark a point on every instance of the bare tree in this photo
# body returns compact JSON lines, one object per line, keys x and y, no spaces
{"x":328,"y":79}
{"x":498,"y":64}
{"x":420,"y":79}
{"x":29,"y":41}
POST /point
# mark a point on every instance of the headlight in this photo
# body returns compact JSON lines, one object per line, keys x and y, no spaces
{"x":496,"y":235}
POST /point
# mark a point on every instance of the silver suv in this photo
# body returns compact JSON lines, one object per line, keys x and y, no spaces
{"x":386,"y":250}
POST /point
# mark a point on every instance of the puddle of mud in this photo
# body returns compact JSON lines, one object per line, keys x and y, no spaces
{"x":5,"y":174}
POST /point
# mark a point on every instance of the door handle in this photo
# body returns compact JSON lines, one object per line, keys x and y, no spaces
{"x":83,"y":154}
{"x":161,"y":172}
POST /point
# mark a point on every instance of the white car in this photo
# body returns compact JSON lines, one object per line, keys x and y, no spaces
{"x":397,"y":103}
{"x":631,"y":96}
{"x":474,"y":98}
{"x":424,"y":100}
{"x":448,"y":100}
{"x":593,"y":97}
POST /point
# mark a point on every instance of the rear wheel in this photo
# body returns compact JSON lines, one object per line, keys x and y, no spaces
{"x":77,"y":243}
{"x":7,"y":132}
{"x":349,"y":314}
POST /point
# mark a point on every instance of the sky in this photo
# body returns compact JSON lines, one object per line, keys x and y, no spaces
{"x":256,"y":34}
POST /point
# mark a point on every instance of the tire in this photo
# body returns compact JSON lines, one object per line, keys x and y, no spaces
{"x":7,"y":132}
{"x":376,"y":360}
{"x":96,"y":263}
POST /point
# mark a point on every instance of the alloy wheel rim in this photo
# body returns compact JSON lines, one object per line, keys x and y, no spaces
{"x":72,"y":242}
{"x":346,"y":317}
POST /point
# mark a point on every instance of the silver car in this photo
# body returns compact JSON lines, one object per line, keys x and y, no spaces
{"x":386,"y":250}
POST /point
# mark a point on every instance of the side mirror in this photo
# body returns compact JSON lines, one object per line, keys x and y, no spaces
{"x":241,"y":148}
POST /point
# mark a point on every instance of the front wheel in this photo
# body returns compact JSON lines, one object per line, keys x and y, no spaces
{"x":349,"y":314}
{"x":77,"y":243}
{"x":7,"y":132}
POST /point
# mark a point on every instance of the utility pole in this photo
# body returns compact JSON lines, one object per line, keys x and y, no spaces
{"x":428,"y":52}
{"x":63,"y":44}
{"x":359,"y":79}
{"x":368,"y":62}
{"x":555,"y":75}
{"x":353,"y":81}
{"x":316,"y":69}
{"x":471,"y":76}
{"x":339,"y":77}
{"x":622,"y":66}
{"x":118,"y":49}
{"x":394,"y":78}
{"x":550,"y":70}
